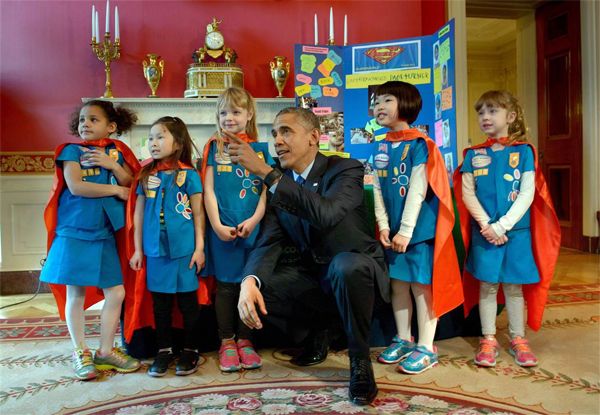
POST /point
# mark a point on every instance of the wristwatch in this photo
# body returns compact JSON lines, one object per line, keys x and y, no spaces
{"x":272,"y":177}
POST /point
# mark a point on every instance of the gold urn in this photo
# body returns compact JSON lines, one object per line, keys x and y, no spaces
{"x":153,"y":72}
{"x":280,"y":70}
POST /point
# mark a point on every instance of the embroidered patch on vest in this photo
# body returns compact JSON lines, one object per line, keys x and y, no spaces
{"x":113,"y":153}
{"x":381,"y":161}
{"x":480,"y":151}
{"x":405,"y":151}
{"x":181,"y":178}
{"x":481,"y":161}
{"x":183,"y":205}
{"x":150,"y":194}
{"x":480,"y":172}
{"x":513,"y":160}
{"x":153,"y":182}
{"x":260,"y":155}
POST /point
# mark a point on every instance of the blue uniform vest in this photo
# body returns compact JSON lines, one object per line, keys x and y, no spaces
{"x":171,"y":192}
{"x":498,"y":178}
{"x":236,"y":189}
{"x":86,"y":217}
{"x":393,"y":165}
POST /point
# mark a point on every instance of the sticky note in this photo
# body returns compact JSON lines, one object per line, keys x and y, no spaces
{"x":335,"y":58}
{"x":439,"y":133}
{"x":445,"y":50}
{"x":305,"y":79}
{"x":326,"y":81}
{"x":447,"y":98}
{"x":308,"y":63}
{"x":437,"y":79}
{"x":315,"y":91}
{"x":337,"y":79}
{"x":330,"y":91}
{"x":322,"y":110}
{"x":302,"y":90}
{"x":326,"y":67}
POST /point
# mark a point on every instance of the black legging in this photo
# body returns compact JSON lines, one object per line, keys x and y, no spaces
{"x":187,"y":303}
{"x":228,"y":318}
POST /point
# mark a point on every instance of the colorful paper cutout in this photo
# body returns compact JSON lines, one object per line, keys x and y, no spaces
{"x":447,"y":98}
{"x":326,"y":81}
{"x":330,"y":92}
{"x":315,"y":91}
{"x":305,"y":79}
{"x":302,"y":90}
{"x":308,"y":63}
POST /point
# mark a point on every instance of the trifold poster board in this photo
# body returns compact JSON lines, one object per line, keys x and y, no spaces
{"x":338,"y":83}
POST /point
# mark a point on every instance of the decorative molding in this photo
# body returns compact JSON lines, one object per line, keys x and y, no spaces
{"x":26,"y":162}
{"x":198,"y":114}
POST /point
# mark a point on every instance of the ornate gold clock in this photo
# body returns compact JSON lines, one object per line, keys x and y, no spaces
{"x":214,"y":68}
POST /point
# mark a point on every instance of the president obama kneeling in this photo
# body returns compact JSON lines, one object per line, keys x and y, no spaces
{"x":317,"y":203}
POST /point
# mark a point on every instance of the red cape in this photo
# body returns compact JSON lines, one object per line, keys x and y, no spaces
{"x":446,"y":281}
{"x":92,"y":295}
{"x":138,"y":310}
{"x":545,"y":239}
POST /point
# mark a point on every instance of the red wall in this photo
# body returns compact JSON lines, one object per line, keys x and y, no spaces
{"x":47,"y":64}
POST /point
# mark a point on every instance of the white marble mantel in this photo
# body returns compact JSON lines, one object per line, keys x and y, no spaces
{"x":198,"y":114}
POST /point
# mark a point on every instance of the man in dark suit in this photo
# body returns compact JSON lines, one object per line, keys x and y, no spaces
{"x":317,"y":203}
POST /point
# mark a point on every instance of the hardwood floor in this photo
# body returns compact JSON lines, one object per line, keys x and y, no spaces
{"x":574,"y":267}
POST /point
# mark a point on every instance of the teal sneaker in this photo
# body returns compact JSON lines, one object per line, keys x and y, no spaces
{"x":116,"y":360}
{"x":419,"y":360}
{"x":83,"y":365}
{"x":397,"y":351}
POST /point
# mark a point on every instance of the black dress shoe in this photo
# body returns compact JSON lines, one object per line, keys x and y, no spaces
{"x":315,"y":350}
{"x":363,"y":388}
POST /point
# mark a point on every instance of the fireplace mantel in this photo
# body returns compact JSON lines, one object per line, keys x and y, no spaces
{"x":198,"y":114}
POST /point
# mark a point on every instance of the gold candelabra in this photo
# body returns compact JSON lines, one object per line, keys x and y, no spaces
{"x":107,"y":52}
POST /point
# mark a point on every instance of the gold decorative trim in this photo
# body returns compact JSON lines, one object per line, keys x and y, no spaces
{"x":26,"y":162}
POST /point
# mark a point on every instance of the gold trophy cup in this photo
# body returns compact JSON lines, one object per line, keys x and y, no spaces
{"x":280,"y":70}
{"x":153,"y":72}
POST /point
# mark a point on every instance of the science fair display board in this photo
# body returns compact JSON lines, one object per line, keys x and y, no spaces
{"x":338,"y":84}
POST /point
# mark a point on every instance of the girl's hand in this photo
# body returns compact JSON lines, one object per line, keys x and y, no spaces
{"x":122,"y":192}
{"x":488,"y":233}
{"x":245,"y":228}
{"x":100,"y":158}
{"x":501,"y":240}
{"x":226,"y":233}
{"x":198,"y":260}
{"x":399,"y":243}
{"x":384,"y":238}
{"x":135,"y":262}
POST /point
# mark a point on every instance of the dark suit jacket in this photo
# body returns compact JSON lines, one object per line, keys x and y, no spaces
{"x":323,"y":218}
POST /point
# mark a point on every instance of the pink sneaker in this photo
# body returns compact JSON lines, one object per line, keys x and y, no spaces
{"x":229,"y":361}
{"x":487,"y":353}
{"x":519,"y":348}
{"x":248,"y":356}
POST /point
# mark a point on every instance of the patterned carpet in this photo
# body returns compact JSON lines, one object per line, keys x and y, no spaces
{"x":36,"y":377}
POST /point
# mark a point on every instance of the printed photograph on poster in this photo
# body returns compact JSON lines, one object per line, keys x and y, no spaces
{"x":449,"y":163}
{"x":386,"y":56}
{"x":438,"y":106}
{"x":371,"y":95}
{"x":444,"y":75}
{"x":436,"y":54}
{"x":446,"y":133}
{"x":360,"y":136}
{"x":332,"y":131}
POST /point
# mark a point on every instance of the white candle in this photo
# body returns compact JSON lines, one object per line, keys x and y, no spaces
{"x":331,"y":23}
{"x":117,"y":22}
{"x":93,"y":21}
{"x":97,"y":27}
{"x":345,"y":29}
{"x":316,"y":30}
{"x":107,"y":25}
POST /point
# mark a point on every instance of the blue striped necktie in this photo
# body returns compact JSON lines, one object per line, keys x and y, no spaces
{"x":300,"y":180}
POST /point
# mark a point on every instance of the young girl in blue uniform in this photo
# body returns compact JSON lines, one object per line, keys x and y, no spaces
{"x":235,"y":204}
{"x":499,"y":185}
{"x":169,"y":227}
{"x":86,"y":208}
{"x":413,"y":204}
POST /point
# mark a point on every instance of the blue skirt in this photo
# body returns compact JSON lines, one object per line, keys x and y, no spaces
{"x":415,"y":265}
{"x":83,"y":263}
{"x":170,"y":275}
{"x":511,"y":263}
